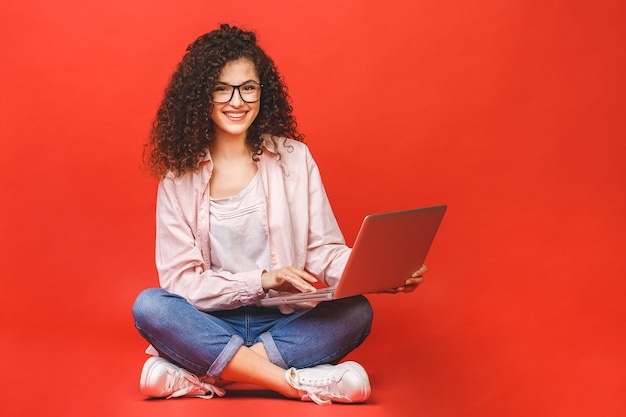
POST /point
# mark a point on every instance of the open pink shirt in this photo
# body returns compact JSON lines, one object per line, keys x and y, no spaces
{"x":302,"y":229}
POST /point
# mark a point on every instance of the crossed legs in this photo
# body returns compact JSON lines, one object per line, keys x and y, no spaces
{"x":250,"y":344}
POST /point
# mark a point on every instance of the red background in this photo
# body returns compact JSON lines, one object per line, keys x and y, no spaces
{"x":511,"y":112}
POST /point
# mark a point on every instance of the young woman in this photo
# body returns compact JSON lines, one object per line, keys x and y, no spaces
{"x":242,"y":214}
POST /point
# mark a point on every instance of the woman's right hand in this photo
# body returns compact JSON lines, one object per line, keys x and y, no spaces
{"x":288,"y":279}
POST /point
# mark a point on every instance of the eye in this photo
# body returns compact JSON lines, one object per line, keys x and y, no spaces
{"x":249,"y":87}
{"x":221,"y":88}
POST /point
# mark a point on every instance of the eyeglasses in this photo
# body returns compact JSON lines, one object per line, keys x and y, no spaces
{"x":250,"y":92}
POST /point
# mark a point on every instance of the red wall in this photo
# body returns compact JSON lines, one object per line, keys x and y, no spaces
{"x":511,"y":112}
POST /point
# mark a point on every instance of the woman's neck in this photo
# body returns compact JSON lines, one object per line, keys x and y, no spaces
{"x":233,"y":168}
{"x":230,"y":148}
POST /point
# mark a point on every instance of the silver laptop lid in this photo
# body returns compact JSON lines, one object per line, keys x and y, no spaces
{"x":388,"y":249}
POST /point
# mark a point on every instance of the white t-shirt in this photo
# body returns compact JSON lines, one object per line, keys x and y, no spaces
{"x":238,"y":239}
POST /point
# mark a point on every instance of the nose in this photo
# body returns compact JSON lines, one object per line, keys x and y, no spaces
{"x":236,"y":99}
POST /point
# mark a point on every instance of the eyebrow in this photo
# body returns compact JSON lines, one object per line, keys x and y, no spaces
{"x":245,"y":82}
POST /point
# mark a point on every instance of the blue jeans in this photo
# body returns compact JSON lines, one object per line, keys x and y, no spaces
{"x":204,"y":343}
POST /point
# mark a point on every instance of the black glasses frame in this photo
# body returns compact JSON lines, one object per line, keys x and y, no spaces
{"x":237,"y":87}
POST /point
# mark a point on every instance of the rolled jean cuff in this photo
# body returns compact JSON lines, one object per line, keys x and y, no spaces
{"x":272,"y":351}
{"x":225,"y":356}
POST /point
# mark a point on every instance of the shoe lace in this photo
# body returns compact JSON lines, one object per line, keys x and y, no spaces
{"x":322,"y":390}
{"x":186,"y":384}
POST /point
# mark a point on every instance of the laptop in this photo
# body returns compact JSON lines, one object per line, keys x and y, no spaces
{"x":388,"y":249}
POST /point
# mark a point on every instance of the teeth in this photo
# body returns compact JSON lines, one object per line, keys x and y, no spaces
{"x":235,"y":115}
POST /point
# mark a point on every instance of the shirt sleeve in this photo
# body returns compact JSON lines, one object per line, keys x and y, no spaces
{"x":180,"y":264}
{"x":327,"y":253}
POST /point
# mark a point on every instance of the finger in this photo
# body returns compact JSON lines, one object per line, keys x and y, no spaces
{"x":421,"y":271}
{"x":414,"y":280}
{"x":409,"y":288}
{"x":305,"y":305}
{"x":299,"y":283}
{"x":303,"y":274}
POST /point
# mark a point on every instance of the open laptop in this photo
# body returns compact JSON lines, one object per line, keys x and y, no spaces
{"x":388,"y":249}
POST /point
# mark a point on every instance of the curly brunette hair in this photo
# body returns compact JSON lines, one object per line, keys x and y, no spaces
{"x":183,"y":132}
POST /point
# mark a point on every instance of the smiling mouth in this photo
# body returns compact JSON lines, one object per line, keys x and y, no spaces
{"x":235,"y":115}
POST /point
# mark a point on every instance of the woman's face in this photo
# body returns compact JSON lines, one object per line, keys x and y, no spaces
{"x":232,"y":119}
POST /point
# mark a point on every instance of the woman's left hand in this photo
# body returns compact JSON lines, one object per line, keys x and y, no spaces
{"x":412,"y":282}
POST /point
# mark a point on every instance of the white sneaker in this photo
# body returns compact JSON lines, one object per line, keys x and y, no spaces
{"x":162,"y":379}
{"x":344,"y":383}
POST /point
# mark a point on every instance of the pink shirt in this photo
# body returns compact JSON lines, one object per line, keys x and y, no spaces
{"x":302,"y":230}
